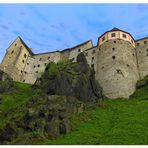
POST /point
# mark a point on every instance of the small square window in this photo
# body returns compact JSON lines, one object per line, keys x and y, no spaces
{"x":113,"y":57}
{"x":40,"y":59}
{"x":124,"y":36}
{"x":12,"y":51}
{"x":25,"y":55}
{"x":147,"y":50}
{"x":79,"y":50}
{"x":103,"y":38}
{"x":86,"y":54}
{"x":145,"y":42}
{"x":38,"y":65}
{"x":92,"y":65}
{"x":138,"y":44}
{"x":36,"y":72}
{"x":94,"y":51}
{"x":23,"y":61}
{"x":113,"y":34}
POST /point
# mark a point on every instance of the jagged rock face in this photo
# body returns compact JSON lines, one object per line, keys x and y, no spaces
{"x":48,"y":116}
{"x":6,"y":83}
{"x":71,"y":79}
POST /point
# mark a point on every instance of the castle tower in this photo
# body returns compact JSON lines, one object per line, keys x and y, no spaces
{"x":117,"y":69}
{"x":15,"y":59}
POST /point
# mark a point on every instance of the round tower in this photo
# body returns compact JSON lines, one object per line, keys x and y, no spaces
{"x":117,"y":70}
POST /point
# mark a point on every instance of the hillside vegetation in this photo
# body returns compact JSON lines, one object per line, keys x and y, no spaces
{"x":118,"y":121}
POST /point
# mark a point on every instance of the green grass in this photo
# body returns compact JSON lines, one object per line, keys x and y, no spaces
{"x":12,"y":100}
{"x":118,"y":121}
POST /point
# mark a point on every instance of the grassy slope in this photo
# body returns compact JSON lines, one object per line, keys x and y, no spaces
{"x":114,"y":122}
{"x":14,"y":100}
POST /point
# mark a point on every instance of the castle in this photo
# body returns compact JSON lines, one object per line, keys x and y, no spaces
{"x":118,"y":59}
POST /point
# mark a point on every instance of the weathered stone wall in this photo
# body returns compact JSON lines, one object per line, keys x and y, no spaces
{"x":36,"y":65}
{"x":91,"y":57}
{"x":142,"y":56}
{"x":117,"y":69}
{"x":15,"y":60}
{"x":78,"y":49}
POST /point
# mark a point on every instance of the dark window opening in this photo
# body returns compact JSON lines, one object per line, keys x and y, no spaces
{"x":12,"y":51}
{"x":23,"y":61}
{"x":102,"y":67}
{"x":92,"y":65}
{"x":48,"y":58}
{"x":127,"y":65}
{"x":27,"y":63}
{"x":114,"y":41}
{"x":21,"y":71}
{"x":113,"y":57}
{"x":86,"y":54}
{"x":145,"y":42}
{"x":25,"y":72}
{"x":34,"y":66}
{"x":113,"y":49}
{"x":94,"y":51}
{"x":92,"y":58}
{"x":132,"y":41}
{"x":103,"y":38}
{"x":147,"y":54}
{"x":79,"y":50}
{"x":40,"y":59}
{"x":147,"y":50}
{"x":36,"y":72}
{"x":133,"y":54}
{"x":138,"y":44}
{"x":15,"y":44}
{"x":38,"y":65}
{"x":45,"y":64}
{"x":25,"y":55}
{"x":113,"y":34}
{"x":23,"y":80}
{"x":124,"y":35}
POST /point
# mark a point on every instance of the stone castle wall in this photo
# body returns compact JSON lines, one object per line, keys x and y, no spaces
{"x":119,"y":62}
{"x":142,"y":56}
{"x":117,"y":69}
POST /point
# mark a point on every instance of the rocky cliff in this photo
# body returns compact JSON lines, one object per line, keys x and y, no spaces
{"x":63,"y":89}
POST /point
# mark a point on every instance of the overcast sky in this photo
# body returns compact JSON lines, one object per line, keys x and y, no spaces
{"x":49,"y":27}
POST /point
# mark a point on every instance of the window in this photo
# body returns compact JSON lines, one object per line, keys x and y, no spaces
{"x":114,"y":41}
{"x":34,"y":66}
{"x":113,"y":34}
{"x":38,"y":65}
{"x":145,"y":42}
{"x":79,"y":50}
{"x":45,"y":64}
{"x":94,"y":51}
{"x":103,"y":38}
{"x":124,"y":35}
{"x":15,"y":44}
{"x":73,"y":59}
{"x":27,"y":63}
{"x":40,"y":59}
{"x":113,"y":49}
{"x":25,"y":72}
{"x":132,"y":41}
{"x":127,"y":65}
{"x":133,"y":54}
{"x":147,"y":54}
{"x":92,"y":65}
{"x":12,"y":51}
{"x":36,"y":72}
{"x":23,"y":80}
{"x":92,"y":59}
{"x":138,"y":44}
{"x":147,"y":50}
{"x":25,"y":55}
{"x":21,"y":71}
{"x":23,"y":61}
{"x":113,"y":57}
{"x":48,"y":58}
{"x":102,"y":67}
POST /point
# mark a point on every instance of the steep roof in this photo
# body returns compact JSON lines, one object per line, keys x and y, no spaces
{"x":29,"y":49}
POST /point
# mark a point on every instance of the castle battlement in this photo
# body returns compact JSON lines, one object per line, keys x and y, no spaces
{"x":118,"y":59}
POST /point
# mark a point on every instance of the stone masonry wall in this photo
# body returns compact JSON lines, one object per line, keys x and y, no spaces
{"x":117,"y":69}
